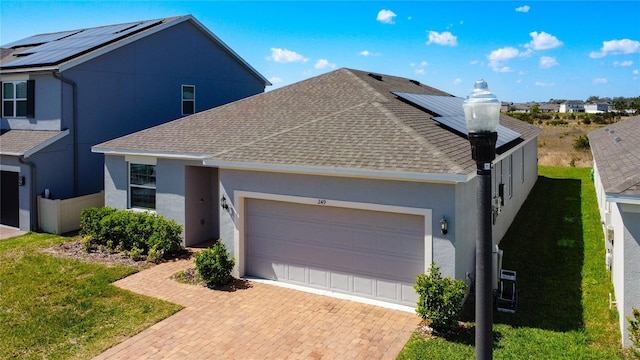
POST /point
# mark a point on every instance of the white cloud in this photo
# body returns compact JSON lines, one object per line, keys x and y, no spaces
{"x":623,"y":63}
{"x":600,"y":81}
{"x":616,"y":47}
{"x":473,"y":62}
{"x":386,"y":16}
{"x":420,"y":67}
{"x":286,"y":56}
{"x":368,"y":53}
{"x":544,"y":84}
{"x":275,"y":80}
{"x":636,"y":72}
{"x":424,"y":63}
{"x":446,"y":38}
{"x":504,"y":69}
{"x":547,"y":62}
{"x":543,"y":41}
{"x":498,"y":57}
{"x":323,"y":64}
{"x":457,"y":81}
{"x":523,"y":9}
{"x":420,"y":71}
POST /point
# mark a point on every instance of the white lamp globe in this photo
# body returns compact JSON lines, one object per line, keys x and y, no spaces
{"x":481,"y":109}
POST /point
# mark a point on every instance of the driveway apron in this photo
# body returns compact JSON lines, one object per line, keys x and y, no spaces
{"x":260,"y":321}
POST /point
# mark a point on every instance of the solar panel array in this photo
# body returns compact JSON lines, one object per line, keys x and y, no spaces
{"x":57,"y":47}
{"x":447,"y":110}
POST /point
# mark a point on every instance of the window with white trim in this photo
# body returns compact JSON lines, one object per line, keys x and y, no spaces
{"x":18,"y":98}
{"x":188,"y":99}
{"x":142,"y":186}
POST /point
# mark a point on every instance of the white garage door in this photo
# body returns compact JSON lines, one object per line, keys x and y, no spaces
{"x":359,"y":252}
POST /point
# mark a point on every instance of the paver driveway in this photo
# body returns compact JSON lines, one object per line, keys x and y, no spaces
{"x":259,"y":322}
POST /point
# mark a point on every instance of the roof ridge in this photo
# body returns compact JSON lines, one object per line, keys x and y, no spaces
{"x":419,"y":138}
{"x":370,"y":89}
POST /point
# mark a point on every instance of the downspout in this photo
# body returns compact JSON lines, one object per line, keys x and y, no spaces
{"x":74,"y":128}
{"x":33,"y":214}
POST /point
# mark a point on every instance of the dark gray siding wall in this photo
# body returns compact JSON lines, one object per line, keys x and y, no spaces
{"x":139,"y":86}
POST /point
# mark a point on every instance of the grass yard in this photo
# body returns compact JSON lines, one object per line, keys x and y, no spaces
{"x":556,"y":246}
{"x":58,"y":308}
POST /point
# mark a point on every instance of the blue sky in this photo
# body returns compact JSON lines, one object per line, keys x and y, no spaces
{"x":525,"y":50}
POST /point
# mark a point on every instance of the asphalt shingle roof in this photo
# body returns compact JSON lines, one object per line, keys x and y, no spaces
{"x":616,"y":151}
{"x":342,"y":119}
{"x":21,"y":142}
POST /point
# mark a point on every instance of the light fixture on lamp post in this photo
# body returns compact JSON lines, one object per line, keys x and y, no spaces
{"x":482,"y":115}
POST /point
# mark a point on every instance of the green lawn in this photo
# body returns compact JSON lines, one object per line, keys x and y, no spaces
{"x":57,"y":308}
{"x":556,"y":246}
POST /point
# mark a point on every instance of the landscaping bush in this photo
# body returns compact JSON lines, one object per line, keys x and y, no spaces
{"x":134,"y":233}
{"x":440,"y":299}
{"x":90,"y":220}
{"x":581,"y":143}
{"x":215,"y":264}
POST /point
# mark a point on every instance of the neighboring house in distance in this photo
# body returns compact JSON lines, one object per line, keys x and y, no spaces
{"x":348,"y":182}
{"x":64,"y":92}
{"x":616,"y":164}
{"x":597,"y":108}
{"x":572,"y":106}
{"x":549,"y":108}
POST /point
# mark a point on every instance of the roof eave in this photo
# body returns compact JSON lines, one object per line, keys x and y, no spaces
{"x":622,"y":198}
{"x":342,"y":172}
{"x":156,"y":154}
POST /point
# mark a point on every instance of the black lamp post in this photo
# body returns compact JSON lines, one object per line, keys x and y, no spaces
{"x":482,"y":115}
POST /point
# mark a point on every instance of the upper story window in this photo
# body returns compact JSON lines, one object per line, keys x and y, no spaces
{"x":188,"y":99}
{"x":142,"y":186}
{"x":18,"y":98}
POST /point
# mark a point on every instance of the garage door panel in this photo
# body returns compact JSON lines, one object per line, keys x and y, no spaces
{"x":365,"y":253}
{"x":339,"y":281}
{"x":408,"y":294}
{"x":318,"y":277}
{"x":387,"y":290}
{"x":363,"y":286}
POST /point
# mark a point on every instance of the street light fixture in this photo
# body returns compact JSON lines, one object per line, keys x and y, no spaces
{"x":482,"y":115}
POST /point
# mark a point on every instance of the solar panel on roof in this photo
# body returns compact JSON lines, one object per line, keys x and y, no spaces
{"x":39,"y":39}
{"x":75,"y":43}
{"x":448,"y":112}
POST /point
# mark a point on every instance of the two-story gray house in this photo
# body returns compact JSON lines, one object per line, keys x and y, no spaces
{"x":349,"y":182}
{"x":66,"y":91}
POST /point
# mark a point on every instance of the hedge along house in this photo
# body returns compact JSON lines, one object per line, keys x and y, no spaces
{"x":616,"y":165}
{"x":64,"y":92}
{"x":342,"y":182}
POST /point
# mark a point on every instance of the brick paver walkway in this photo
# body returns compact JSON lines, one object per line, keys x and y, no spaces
{"x":260,"y":322}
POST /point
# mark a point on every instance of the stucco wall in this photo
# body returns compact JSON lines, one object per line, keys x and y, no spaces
{"x":631,"y":271}
{"x":48,"y":107}
{"x":438,"y":197}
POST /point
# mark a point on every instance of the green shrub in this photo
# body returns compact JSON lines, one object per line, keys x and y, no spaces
{"x":166,"y":236}
{"x":440,"y":299}
{"x":215,"y":264}
{"x":87,"y":242}
{"x":581,"y":143}
{"x":634,"y":332}
{"x":135,"y":253}
{"x":135,"y":233}
{"x":90,"y":220}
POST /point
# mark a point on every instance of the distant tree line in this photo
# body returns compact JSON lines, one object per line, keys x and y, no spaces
{"x":620,"y":103}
